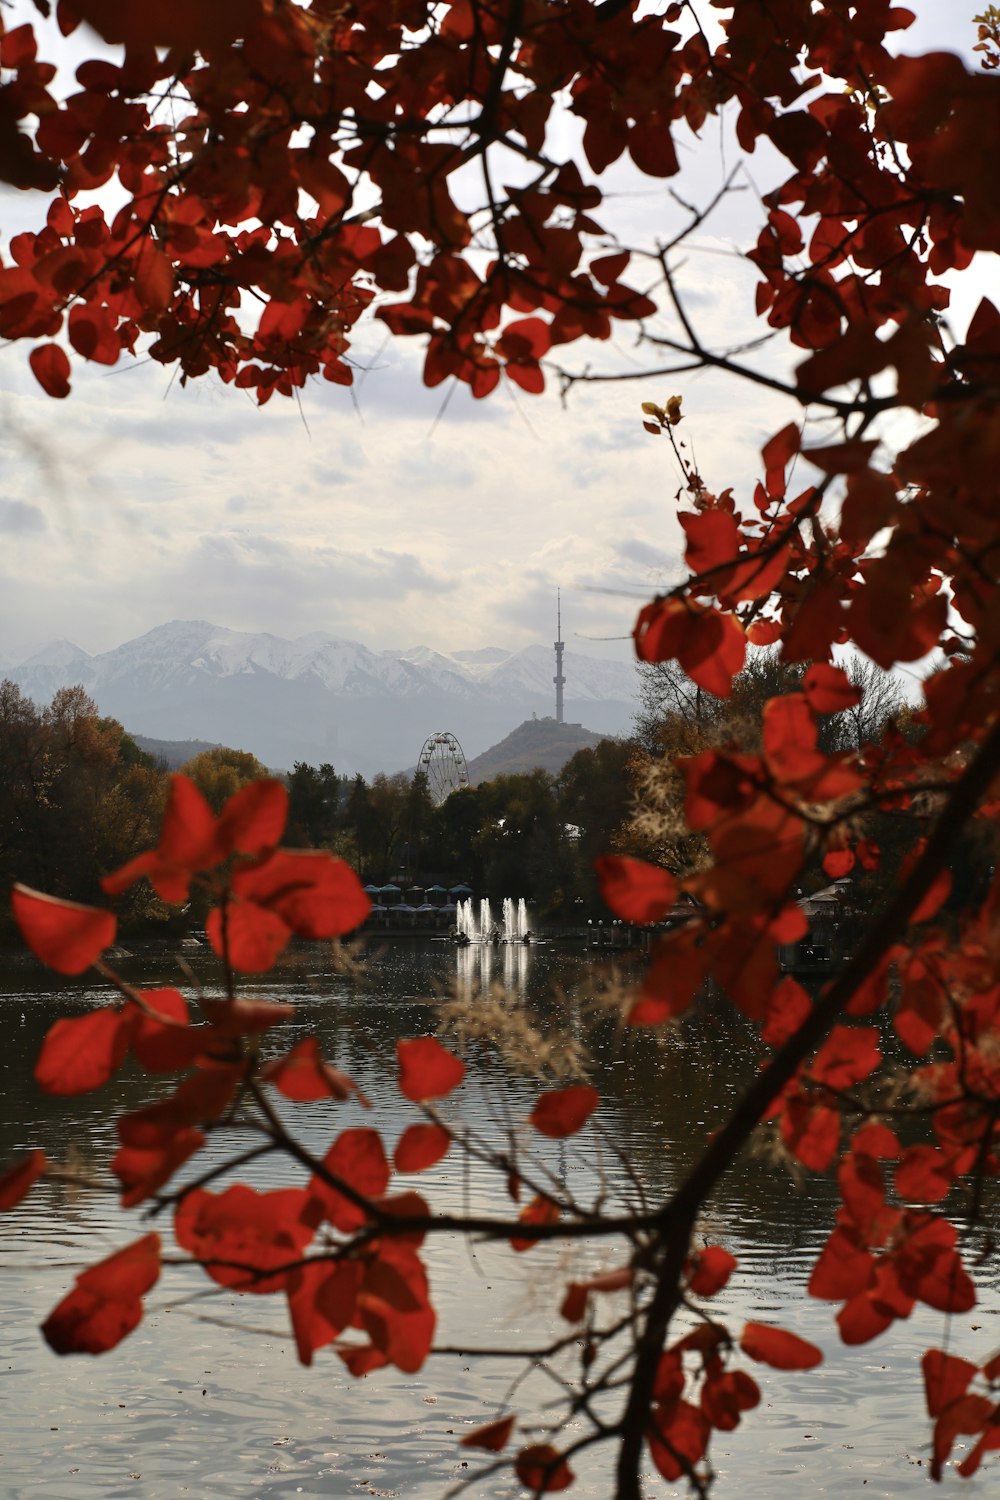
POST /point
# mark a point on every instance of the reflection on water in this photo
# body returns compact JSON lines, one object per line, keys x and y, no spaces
{"x":479,"y":965}
{"x":187,"y":1407}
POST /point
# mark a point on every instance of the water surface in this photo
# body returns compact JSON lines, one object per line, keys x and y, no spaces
{"x":185,"y":1406}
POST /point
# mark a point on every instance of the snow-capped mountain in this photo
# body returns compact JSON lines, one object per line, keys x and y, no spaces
{"x":319,"y":698}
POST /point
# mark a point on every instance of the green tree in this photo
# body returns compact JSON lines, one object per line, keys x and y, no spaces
{"x":594,"y":797}
{"x":455,"y":850}
{"x":388,"y":805}
{"x":520,"y":840}
{"x":313,"y":805}
{"x":359,"y":822}
{"x":418,"y":824}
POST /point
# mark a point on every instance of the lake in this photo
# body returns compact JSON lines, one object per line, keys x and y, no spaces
{"x":186,"y":1406}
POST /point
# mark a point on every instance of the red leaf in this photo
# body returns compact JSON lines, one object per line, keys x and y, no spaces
{"x":764,"y":632}
{"x":607,"y":269}
{"x":925,"y":1175}
{"x":724,"y":1398}
{"x":860,"y":1320}
{"x":142,"y":1171}
{"x":710,"y":1270}
{"x":187,"y":844}
{"x":672,"y":980}
{"x":197,"y":1100}
{"x":407,"y":1205}
{"x":970,"y":1414}
{"x":838,"y":863}
{"x":930,"y":1268}
{"x":842,"y":458}
{"x":849,"y":1055}
{"x":426,"y":1069}
{"x":946,"y":1379}
{"x":787,"y":1008}
{"x":634,"y":890}
{"x":678,"y":1438}
{"x":64,"y":935}
{"x":542,"y":1469}
{"x":844,"y":1268}
{"x":254,"y":818}
{"x":562,"y":1112}
{"x":82,"y":1053}
{"x":357,"y":1160}
{"x":776,"y":454}
{"x":18,"y":1181}
{"x":778,"y":1348}
{"x":321,"y":1303}
{"x":419,"y":1147}
{"x":876,"y":1139}
{"x":713,"y":538}
{"x":187,"y":24}
{"x":934,"y":898}
{"x":829,"y":689}
{"x":540,"y":1210}
{"x":164,"y":1046}
{"x":187,"y":835}
{"x":243,"y":1238}
{"x":249,"y":936}
{"x":789,"y":733}
{"x":105,"y":1304}
{"x":710,"y":647}
{"x":154,"y":277}
{"x":394,"y":1307}
{"x":574,"y":1303}
{"x":50,"y":367}
{"x":493,"y":1437}
{"x":988,"y":1443}
{"x":314,"y":893}
{"x":811,"y":1132}
{"x":363,"y":1359}
{"x":303,"y":1075}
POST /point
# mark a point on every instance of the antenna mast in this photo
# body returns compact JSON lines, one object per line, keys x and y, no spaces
{"x":559,"y":679}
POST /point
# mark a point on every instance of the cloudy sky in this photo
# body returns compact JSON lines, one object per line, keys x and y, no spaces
{"x":401,"y":516}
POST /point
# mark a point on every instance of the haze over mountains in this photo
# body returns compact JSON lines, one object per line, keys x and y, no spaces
{"x":319,"y":698}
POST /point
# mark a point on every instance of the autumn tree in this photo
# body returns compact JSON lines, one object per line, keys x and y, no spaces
{"x":77,"y":795}
{"x":220,"y":772}
{"x":229,"y":190}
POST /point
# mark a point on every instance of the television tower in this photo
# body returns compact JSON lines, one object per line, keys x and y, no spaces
{"x":559,"y":679}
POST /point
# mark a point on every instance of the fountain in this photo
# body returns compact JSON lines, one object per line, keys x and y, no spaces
{"x":471,"y":927}
{"x":515,"y":921}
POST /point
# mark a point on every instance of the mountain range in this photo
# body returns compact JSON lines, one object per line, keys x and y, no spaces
{"x":319,"y":698}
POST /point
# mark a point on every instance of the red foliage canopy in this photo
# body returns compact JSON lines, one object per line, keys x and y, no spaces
{"x":278,"y":168}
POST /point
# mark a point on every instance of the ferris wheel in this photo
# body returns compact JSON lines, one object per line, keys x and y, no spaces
{"x":442,"y":759}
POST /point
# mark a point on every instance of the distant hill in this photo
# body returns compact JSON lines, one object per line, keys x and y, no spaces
{"x":173,"y":753}
{"x":319,"y":698}
{"x":536,"y":744}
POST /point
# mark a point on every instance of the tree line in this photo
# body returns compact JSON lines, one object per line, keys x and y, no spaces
{"x":79,"y":796}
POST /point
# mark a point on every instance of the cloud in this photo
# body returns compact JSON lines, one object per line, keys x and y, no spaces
{"x":18,"y":518}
